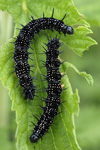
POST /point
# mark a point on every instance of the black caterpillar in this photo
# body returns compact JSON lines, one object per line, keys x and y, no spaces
{"x":53,"y":91}
{"x":22,"y":43}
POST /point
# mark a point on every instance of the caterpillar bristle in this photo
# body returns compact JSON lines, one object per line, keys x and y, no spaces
{"x":52,"y":13}
{"x":64,"y":17}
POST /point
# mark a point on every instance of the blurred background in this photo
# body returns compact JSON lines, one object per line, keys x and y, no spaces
{"x":88,"y":120}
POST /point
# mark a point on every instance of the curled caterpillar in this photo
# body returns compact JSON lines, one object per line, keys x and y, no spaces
{"x":53,"y":91}
{"x":22,"y":44}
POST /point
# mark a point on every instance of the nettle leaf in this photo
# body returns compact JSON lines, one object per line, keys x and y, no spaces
{"x":62,"y":135}
{"x":88,"y":77}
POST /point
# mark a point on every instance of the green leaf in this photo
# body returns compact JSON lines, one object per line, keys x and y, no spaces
{"x":79,"y":41}
{"x":90,"y":9}
{"x":24,"y":110}
{"x":62,"y":135}
{"x":21,"y":13}
{"x":88,"y":77}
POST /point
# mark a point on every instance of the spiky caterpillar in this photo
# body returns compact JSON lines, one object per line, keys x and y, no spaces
{"x":22,"y":43}
{"x":53,"y":91}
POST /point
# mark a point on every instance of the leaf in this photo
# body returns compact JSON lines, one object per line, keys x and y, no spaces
{"x":88,"y":77}
{"x":62,"y":135}
{"x":80,"y":42}
{"x":90,"y":9}
{"x":21,"y":13}
{"x":25,"y":110}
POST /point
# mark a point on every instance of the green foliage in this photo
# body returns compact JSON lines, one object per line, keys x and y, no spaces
{"x":83,"y":74}
{"x":87,"y":133}
{"x":91,"y":10}
{"x":62,"y":135}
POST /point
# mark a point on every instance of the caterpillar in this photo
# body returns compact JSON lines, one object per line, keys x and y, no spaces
{"x":22,"y":44}
{"x":53,"y":91}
